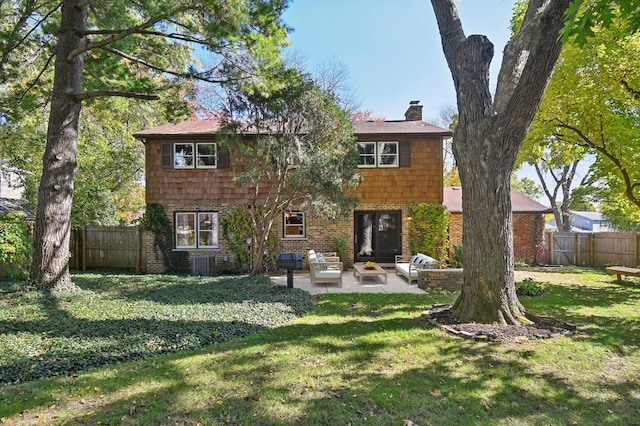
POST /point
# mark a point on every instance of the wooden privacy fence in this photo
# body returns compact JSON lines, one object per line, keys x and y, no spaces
{"x":594,"y":248}
{"x":107,"y":247}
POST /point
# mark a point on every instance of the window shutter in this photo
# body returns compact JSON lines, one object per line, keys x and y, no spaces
{"x":405,"y":153}
{"x":166,"y":151}
{"x":223,"y":157}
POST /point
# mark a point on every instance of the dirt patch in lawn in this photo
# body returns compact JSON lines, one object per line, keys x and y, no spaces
{"x":545,"y":327}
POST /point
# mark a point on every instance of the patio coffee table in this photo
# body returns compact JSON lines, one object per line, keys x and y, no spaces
{"x":363,"y":272}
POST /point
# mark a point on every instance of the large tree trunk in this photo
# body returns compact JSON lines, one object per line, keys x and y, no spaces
{"x":486,"y":142}
{"x":50,"y":266}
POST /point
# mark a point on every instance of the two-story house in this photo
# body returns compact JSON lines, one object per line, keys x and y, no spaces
{"x":401,"y":161}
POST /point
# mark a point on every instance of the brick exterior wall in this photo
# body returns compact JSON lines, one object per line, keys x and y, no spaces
{"x":213,"y":190}
{"x":154,"y":260}
{"x":528,"y":231}
{"x":321,"y":231}
{"x":447,"y":279}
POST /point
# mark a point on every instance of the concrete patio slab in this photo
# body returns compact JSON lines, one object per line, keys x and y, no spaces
{"x":351,"y":284}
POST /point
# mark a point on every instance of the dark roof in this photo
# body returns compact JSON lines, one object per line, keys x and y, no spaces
{"x":520,"y":203}
{"x":208,"y":127}
{"x":201,"y":127}
{"x":399,"y":127}
{"x":21,"y":206}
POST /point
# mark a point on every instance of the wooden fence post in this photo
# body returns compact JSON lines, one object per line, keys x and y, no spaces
{"x":84,"y":248}
{"x":138,"y":250}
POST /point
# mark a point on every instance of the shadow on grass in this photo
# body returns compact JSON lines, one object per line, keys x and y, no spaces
{"x":356,"y":371}
{"x":106,"y":323}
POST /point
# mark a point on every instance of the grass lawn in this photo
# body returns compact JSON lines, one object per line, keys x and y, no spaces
{"x":351,"y":359}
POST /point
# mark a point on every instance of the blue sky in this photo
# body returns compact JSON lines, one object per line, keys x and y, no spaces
{"x":391,"y":49}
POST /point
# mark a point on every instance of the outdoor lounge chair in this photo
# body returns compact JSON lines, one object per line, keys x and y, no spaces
{"x":324,"y":269}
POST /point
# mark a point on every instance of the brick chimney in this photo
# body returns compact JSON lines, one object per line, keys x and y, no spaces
{"x":414,"y":113}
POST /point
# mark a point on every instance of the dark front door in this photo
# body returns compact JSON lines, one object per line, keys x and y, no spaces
{"x":378,"y":236}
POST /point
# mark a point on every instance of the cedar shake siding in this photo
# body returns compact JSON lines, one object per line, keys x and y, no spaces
{"x":420,"y":181}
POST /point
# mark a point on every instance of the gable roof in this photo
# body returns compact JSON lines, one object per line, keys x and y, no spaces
{"x":592,"y":216}
{"x":21,"y":206}
{"x":209,"y":127}
{"x":520,"y":203}
{"x":399,"y":127}
{"x":198,"y":127}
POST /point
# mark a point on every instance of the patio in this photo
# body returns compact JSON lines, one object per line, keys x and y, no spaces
{"x":351,"y":283}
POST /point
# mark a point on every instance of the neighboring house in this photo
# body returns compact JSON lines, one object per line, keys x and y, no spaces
{"x":401,"y":162}
{"x":10,"y":186}
{"x":20,"y":206}
{"x":588,"y":222}
{"x":528,"y":223}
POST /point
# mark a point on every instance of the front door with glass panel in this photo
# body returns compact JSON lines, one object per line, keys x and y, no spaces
{"x":378,"y":236}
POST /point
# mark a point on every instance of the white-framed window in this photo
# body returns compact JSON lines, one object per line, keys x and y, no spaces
{"x":378,"y":154}
{"x":183,"y":155}
{"x":388,"y":154}
{"x":206,"y":155}
{"x":294,"y":225}
{"x":367,"y":154}
{"x":197,"y":230}
{"x":188,"y":155}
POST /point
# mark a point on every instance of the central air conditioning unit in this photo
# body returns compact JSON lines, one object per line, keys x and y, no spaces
{"x":203,"y":265}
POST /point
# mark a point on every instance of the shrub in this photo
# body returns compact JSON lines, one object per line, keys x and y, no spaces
{"x":236,"y":229}
{"x":15,"y":246}
{"x":428,"y":230}
{"x":156,"y":221}
{"x":340,"y":246}
{"x":529,"y":287}
{"x":456,"y":256}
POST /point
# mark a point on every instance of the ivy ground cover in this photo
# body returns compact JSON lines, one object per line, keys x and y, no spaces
{"x":117,"y":318}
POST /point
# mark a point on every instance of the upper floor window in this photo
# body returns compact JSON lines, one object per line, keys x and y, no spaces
{"x":199,"y":155}
{"x":196,"y":230}
{"x":378,"y":154}
{"x":294,"y":225}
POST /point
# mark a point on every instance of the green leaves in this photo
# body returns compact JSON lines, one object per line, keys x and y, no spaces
{"x":428,"y":230}
{"x":116,"y":318}
{"x":583,"y":19}
{"x":15,"y":246}
{"x":590,"y":111}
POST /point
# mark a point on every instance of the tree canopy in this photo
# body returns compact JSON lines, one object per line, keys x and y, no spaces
{"x":116,"y":48}
{"x":295,"y":150}
{"x":590,"y":113}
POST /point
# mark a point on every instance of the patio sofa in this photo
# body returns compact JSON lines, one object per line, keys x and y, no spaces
{"x":324,"y":268}
{"x":408,"y":266}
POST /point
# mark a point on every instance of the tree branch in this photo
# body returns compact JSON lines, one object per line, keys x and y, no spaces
{"x":172,"y":36}
{"x":585,"y":141}
{"x":85,"y":3}
{"x":114,"y":93}
{"x":452,"y":34}
{"x":19,"y":25}
{"x":107,"y":41}
{"x":115,"y":36}
{"x":634,"y":92}
{"x":532,"y":52}
{"x":161,"y":69}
